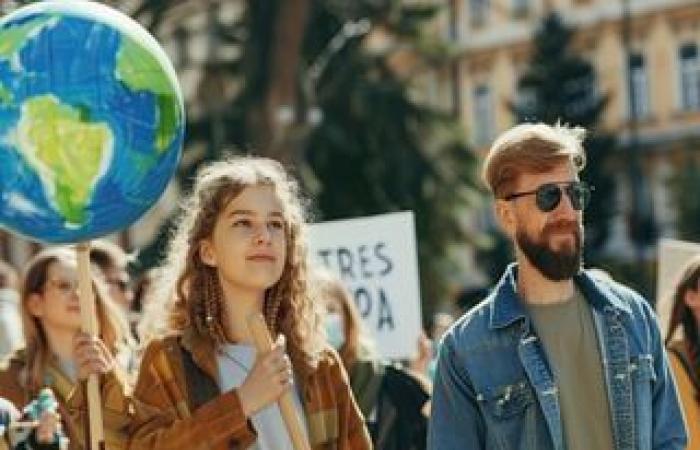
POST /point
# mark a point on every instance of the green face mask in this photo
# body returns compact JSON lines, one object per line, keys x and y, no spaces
{"x":334,"y":330}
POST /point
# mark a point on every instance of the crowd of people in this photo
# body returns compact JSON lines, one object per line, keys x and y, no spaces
{"x":553,"y":357}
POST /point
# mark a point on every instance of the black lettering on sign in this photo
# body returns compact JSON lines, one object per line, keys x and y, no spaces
{"x":364,"y":261}
{"x":363,"y":301}
{"x":386,"y":318}
{"x":325,"y":253}
{"x":345,"y":263}
{"x":379,"y":248}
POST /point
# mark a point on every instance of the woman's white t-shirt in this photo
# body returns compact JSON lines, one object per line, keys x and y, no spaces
{"x":235,"y":361}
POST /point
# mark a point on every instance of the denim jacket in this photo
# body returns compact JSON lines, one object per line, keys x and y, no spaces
{"x":494,"y":388}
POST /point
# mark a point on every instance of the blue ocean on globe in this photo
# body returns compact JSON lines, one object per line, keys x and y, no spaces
{"x":91,"y":121}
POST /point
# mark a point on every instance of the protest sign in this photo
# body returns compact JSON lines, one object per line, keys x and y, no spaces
{"x":376,"y":259}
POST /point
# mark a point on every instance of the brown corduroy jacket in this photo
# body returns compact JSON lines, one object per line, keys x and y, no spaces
{"x":71,"y":401}
{"x":169,"y":415}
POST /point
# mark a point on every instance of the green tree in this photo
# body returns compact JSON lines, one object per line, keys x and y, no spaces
{"x":361,"y":143}
{"x":560,"y":86}
{"x":377,"y":149}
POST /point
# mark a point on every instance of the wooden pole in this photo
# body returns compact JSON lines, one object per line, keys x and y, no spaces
{"x":89,"y":325}
{"x":263,"y":343}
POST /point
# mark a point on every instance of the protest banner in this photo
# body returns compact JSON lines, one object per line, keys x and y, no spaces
{"x":377,"y":260}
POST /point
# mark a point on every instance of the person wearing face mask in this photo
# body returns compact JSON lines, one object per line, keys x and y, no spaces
{"x":393,"y":400}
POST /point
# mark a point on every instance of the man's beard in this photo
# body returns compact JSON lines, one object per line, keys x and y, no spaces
{"x":555,"y":265}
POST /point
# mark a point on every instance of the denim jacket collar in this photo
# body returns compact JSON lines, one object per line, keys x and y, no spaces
{"x":508,"y":306}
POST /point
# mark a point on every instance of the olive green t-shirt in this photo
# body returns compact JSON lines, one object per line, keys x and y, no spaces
{"x":568,"y":335}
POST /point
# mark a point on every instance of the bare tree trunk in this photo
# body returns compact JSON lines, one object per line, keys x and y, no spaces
{"x":273,"y":119}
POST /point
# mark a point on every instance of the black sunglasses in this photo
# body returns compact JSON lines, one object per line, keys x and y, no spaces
{"x":548,"y":196}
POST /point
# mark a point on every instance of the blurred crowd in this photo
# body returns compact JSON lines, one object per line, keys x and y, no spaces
{"x":174,"y":353}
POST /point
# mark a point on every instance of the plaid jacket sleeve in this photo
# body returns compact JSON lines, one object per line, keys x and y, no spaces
{"x":163,"y":420}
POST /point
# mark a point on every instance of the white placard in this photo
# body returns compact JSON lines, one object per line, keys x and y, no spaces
{"x":673,"y":256}
{"x":376,"y":258}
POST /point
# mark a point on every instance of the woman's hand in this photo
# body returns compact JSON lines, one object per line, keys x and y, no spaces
{"x":270,"y":377}
{"x":91,"y":356}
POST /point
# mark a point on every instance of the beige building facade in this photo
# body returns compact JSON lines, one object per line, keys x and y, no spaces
{"x":658,"y":66}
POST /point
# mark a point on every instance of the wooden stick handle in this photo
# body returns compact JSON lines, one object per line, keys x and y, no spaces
{"x":263,"y":343}
{"x":89,"y":325}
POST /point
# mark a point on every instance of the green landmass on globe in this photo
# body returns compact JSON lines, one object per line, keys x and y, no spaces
{"x":13,"y":39}
{"x":139,"y":70}
{"x":54,"y":137}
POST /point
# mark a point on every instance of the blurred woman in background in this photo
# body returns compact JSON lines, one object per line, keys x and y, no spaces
{"x":393,"y":400}
{"x":57,"y":354}
{"x":684,"y":353}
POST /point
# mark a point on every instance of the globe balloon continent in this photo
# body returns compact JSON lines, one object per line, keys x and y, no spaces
{"x":91,"y":121}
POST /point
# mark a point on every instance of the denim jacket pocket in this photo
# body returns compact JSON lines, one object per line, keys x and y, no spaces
{"x":510,"y":400}
{"x":512,"y":417}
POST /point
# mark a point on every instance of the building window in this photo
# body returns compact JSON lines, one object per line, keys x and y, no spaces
{"x":478,"y":11}
{"x":638,"y":87}
{"x":483,"y":115}
{"x":520,"y":8}
{"x":690,"y":77}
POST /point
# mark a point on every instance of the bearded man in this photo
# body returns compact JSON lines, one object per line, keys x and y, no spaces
{"x":556,"y":357}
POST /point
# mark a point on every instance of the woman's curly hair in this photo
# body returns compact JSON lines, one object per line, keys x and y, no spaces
{"x":191,"y":291}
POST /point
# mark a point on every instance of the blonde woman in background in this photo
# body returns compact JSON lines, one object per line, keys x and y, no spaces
{"x":57,"y":355}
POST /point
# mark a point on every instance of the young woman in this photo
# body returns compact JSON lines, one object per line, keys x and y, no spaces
{"x":239,"y":250}
{"x":684,"y":354}
{"x":57,"y":355}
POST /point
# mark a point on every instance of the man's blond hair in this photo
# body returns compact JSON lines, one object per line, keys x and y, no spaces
{"x":531,"y":148}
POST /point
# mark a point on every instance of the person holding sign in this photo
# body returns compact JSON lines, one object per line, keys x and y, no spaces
{"x":555,"y":357}
{"x":58,"y":355}
{"x":685,"y":353}
{"x":239,"y":251}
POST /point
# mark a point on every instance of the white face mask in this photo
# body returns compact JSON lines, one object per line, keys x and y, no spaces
{"x":334,"y":330}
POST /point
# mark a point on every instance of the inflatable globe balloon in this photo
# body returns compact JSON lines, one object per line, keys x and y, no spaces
{"x":91,"y":121}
